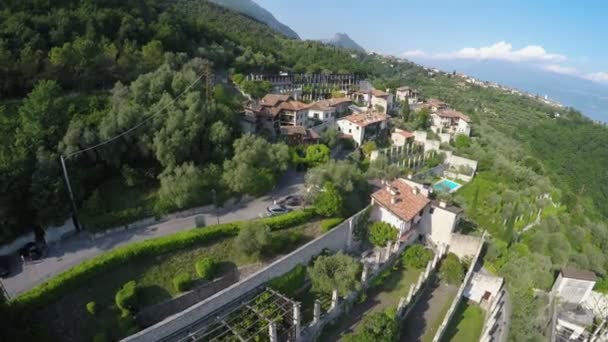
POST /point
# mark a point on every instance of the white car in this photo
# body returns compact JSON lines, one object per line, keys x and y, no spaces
{"x":274,"y":210}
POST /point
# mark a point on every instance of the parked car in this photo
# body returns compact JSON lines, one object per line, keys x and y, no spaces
{"x":31,"y":251}
{"x":274,"y":210}
{"x":291,"y":200}
{"x":5,"y":265}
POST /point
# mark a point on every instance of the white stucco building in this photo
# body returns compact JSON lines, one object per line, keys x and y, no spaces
{"x":574,"y":286}
{"x":401,"y":137}
{"x":373,"y":98}
{"x":364,"y":126}
{"x":328,"y":110}
{"x":407,"y":93}
{"x":405,"y":205}
{"x":450,"y":121}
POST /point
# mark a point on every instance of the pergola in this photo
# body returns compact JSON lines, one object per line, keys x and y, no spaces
{"x":268,"y":316}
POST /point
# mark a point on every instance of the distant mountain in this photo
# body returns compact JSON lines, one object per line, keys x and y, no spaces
{"x":589,"y":97}
{"x":250,"y":8}
{"x":344,"y":41}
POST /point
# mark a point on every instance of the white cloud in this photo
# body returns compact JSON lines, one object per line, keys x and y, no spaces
{"x":414,"y":53}
{"x":560,"y":69}
{"x":598,"y":76}
{"x":500,"y":51}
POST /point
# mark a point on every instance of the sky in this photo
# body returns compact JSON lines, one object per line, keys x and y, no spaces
{"x":563,"y":37}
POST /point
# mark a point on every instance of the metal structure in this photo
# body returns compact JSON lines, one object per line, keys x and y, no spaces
{"x":267,"y":316}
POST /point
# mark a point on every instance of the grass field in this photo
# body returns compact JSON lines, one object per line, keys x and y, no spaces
{"x":467,"y":323}
{"x":68,"y":318}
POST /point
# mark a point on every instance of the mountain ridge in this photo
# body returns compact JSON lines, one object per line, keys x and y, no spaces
{"x":344,"y":41}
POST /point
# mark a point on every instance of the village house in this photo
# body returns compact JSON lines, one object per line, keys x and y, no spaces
{"x":374,"y":98}
{"x":299,"y":135}
{"x":256,"y":119}
{"x":450,"y":121}
{"x":364,"y":126}
{"x":401,"y":137}
{"x":405,"y":205}
{"x":407,"y":93}
{"x":571,"y":289}
{"x":328,"y":110}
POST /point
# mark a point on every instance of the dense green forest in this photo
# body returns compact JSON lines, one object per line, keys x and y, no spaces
{"x":74,"y":73}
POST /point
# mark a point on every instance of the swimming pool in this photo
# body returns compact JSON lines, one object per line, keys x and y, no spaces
{"x":446,"y":185}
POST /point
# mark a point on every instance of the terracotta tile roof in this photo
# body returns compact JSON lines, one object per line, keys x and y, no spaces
{"x":436,"y":102}
{"x":406,"y":88}
{"x":364,"y":119}
{"x":404,"y":133}
{"x":271,"y":100}
{"x":329,"y":104}
{"x":573,"y":273}
{"x":293,"y":105}
{"x":379,"y":93}
{"x":293,"y":130}
{"x":452,"y":114}
{"x":407,"y":204}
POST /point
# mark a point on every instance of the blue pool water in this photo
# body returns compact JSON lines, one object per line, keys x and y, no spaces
{"x":446,"y":185}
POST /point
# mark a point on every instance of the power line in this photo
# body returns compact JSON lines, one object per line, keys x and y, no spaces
{"x":109,"y":140}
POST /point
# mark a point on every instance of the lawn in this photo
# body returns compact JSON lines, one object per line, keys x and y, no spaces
{"x":466,"y":324}
{"x":69,"y":319}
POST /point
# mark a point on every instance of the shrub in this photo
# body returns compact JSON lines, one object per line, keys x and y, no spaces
{"x":336,"y":271}
{"x":290,"y":282}
{"x":416,"y":256}
{"x":126,"y":322}
{"x":100,"y":337}
{"x":205,"y":268}
{"x":126,"y":297}
{"x":92,"y":308}
{"x":377,"y":327}
{"x":328,"y":224}
{"x":182,"y":282}
{"x":79,"y":275}
{"x":451,"y":270}
{"x":329,"y":202}
{"x":253,"y":239}
{"x":380,"y":233}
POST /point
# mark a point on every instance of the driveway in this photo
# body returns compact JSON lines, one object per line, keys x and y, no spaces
{"x":72,"y":251}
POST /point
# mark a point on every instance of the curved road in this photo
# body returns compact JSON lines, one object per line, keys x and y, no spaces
{"x":72,"y":251}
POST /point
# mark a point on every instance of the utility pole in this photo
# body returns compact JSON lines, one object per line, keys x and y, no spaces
{"x":72,"y":201}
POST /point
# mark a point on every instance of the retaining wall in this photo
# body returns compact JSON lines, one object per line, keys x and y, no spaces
{"x":465,"y":282}
{"x":464,"y":246}
{"x":171,"y":328}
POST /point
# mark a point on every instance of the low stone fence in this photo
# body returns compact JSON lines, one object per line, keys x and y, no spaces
{"x":465,"y":283}
{"x":157,"y":312}
{"x":179,"y":325}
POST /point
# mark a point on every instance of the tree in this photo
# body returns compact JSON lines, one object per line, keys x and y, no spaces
{"x":253,"y":239}
{"x":186,"y":186}
{"x":335,"y":272}
{"x":257,"y":89}
{"x":329,"y":201}
{"x":422,"y":119}
{"x":330,"y":137}
{"x":368,"y":148}
{"x":255,"y":166}
{"x":317,"y":154}
{"x":380,"y":233}
{"x":404,"y":110}
{"x":451,"y":270}
{"x":462,"y":141}
{"x":417,"y":257}
{"x":376,"y":327}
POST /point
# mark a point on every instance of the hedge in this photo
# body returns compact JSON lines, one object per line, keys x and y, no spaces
{"x":92,"y":308}
{"x":126,"y":297}
{"x":182,"y":282}
{"x":289,"y":282}
{"x":79,"y":275}
{"x":328,"y":224}
{"x":205,"y":268}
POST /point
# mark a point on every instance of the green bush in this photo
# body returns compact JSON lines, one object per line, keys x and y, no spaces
{"x":451,"y":270}
{"x":289,"y":282}
{"x":328,"y":224}
{"x":380,"y":233}
{"x":126,"y":323}
{"x":205,"y":268}
{"x":126,"y":297}
{"x":182,"y":282}
{"x":100,"y":337}
{"x":92,"y":308}
{"x":416,"y":256}
{"x":79,"y":275}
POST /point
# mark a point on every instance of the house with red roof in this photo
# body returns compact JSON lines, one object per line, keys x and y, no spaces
{"x":401,"y":137}
{"x":363,"y":126}
{"x":451,"y":121}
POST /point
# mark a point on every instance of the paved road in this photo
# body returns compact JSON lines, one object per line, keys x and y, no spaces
{"x":71,"y":252}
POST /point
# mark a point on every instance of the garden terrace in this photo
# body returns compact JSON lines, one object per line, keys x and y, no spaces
{"x":265,"y":312}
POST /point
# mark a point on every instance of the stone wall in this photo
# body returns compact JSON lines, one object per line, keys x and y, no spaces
{"x":339,"y":238}
{"x":464,"y":246}
{"x":156,"y":313}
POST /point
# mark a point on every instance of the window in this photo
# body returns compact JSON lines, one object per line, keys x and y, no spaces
{"x":350,"y":131}
{"x":432,"y":210}
{"x":315,"y":115}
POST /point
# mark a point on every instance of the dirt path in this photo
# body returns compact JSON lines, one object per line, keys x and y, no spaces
{"x":427,"y":315}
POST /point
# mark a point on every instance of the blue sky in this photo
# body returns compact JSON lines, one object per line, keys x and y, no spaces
{"x":566,"y":37}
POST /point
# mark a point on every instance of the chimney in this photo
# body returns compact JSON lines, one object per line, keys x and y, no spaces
{"x":409,"y":176}
{"x":442,"y":204}
{"x":393,"y":199}
{"x":415,"y":190}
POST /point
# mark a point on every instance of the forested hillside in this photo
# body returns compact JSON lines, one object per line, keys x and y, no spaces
{"x":76,"y":72}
